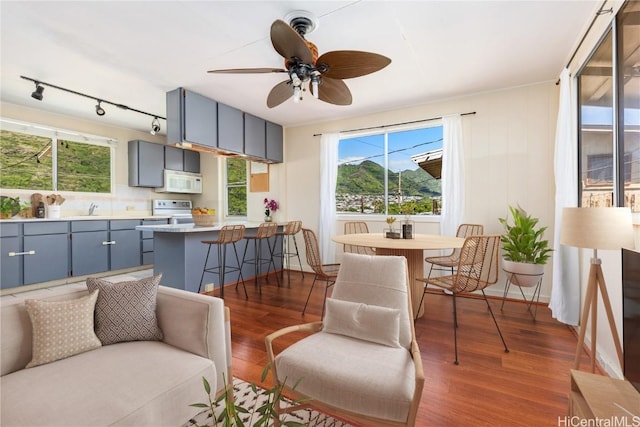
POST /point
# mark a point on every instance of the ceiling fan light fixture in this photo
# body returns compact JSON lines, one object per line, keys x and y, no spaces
{"x":37,"y":94}
{"x":296,"y":94}
{"x":314,"y":85}
{"x":295,"y":80}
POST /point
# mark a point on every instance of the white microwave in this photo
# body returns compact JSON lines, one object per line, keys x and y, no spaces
{"x":181,"y":182}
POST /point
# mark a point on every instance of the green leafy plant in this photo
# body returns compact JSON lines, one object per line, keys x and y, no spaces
{"x":9,"y":206}
{"x":229,"y":414}
{"x":523,"y":240}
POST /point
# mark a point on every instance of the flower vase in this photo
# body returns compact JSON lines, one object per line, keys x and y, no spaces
{"x":267,"y":216}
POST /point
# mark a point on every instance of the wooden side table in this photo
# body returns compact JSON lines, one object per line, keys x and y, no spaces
{"x":607,"y":400}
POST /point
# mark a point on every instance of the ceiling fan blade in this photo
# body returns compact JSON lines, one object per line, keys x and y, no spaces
{"x":288,"y":43}
{"x":249,"y":70}
{"x":347,"y":64}
{"x":334,"y":92}
{"x":280,"y":93}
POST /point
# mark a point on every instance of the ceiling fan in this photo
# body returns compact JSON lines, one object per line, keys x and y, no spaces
{"x":322,"y":75}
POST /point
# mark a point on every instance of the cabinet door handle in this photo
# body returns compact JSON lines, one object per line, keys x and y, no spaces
{"x":31,"y":252}
{"x":112,"y":242}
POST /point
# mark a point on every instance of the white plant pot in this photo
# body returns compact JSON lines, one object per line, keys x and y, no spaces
{"x":523,"y":273}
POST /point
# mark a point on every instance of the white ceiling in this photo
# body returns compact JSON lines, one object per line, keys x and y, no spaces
{"x":133,"y":52}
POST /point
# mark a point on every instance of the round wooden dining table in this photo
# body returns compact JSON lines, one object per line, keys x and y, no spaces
{"x":412,"y":249}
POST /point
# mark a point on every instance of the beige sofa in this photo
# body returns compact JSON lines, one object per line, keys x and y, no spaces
{"x":139,"y":383}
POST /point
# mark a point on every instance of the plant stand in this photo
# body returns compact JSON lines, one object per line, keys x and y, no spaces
{"x":512,"y":278}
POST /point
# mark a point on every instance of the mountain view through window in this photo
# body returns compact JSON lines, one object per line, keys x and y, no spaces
{"x":386,"y":173}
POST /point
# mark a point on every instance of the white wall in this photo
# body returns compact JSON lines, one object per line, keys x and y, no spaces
{"x":509,"y":146}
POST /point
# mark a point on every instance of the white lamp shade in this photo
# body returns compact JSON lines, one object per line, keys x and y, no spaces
{"x":597,"y":228}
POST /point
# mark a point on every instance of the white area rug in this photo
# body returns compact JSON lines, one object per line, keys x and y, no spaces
{"x":246,"y":398}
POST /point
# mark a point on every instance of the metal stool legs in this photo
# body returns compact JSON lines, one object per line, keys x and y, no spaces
{"x":228,"y":234}
{"x":288,"y":254}
{"x":222,"y":268}
{"x":258,"y":261}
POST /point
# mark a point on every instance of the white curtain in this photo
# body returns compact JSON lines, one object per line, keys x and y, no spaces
{"x":565,"y":292}
{"x":452,"y":175}
{"x":328,"y":176}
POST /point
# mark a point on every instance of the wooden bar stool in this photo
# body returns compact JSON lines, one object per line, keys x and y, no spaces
{"x":265,"y":231}
{"x":287,"y":234}
{"x":229,"y":234}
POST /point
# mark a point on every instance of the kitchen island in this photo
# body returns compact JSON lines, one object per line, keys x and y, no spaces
{"x":180,"y":253}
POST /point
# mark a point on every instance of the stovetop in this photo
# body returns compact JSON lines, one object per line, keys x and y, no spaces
{"x":179,"y":210}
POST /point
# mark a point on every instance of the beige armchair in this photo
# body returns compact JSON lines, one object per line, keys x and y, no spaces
{"x":362,"y":361}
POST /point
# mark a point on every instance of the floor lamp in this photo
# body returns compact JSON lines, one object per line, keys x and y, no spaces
{"x":596,"y":228}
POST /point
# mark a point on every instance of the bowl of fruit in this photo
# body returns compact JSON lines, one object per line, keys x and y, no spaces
{"x":203,"y":217}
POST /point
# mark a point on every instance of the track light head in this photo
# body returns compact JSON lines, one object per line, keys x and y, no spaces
{"x":155,"y":126}
{"x":99,"y":110}
{"x":37,"y":94}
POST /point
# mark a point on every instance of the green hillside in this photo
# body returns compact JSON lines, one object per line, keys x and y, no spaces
{"x":26,"y":163}
{"x":368,"y":178}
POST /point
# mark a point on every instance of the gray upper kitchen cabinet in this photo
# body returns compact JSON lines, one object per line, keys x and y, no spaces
{"x":173,"y":158}
{"x":230,"y":129}
{"x":181,"y":160}
{"x":125,"y":251}
{"x":146,"y":164}
{"x":89,"y":247}
{"x":11,"y":258}
{"x":49,"y":242}
{"x":191,"y":161}
{"x":254,"y":136}
{"x":274,"y":142}
{"x":191,"y":118}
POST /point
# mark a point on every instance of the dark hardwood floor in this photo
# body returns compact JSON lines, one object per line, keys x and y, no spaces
{"x":526,"y":387}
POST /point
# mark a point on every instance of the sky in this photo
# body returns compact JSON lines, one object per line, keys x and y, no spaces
{"x":402,"y":145}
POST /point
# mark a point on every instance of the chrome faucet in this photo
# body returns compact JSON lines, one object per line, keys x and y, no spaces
{"x":92,"y":207}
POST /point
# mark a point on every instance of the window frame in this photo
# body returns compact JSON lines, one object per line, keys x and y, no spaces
{"x":227,"y":186}
{"x":621,"y":150}
{"x":59,"y":134}
{"x":385,"y":131}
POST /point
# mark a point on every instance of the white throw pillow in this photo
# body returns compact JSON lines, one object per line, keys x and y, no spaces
{"x":366,"y":322}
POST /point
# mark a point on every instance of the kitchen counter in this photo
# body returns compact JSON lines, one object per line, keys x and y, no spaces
{"x":87,"y":218}
{"x":192,"y":228}
{"x":179,"y":253}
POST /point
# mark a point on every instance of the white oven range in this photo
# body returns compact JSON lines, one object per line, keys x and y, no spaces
{"x":178,"y":210}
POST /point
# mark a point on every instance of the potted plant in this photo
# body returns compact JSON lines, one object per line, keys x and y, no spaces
{"x":270,"y":206}
{"x":525,"y":250}
{"x":9,"y":206}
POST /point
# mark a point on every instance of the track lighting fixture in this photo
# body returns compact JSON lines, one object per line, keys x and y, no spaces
{"x":37,"y":94}
{"x":99,"y":110}
{"x":155,"y":126}
{"x":40,"y":85}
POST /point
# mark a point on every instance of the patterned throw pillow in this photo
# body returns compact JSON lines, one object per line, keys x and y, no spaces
{"x":126,"y":311}
{"x":61,"y":328}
